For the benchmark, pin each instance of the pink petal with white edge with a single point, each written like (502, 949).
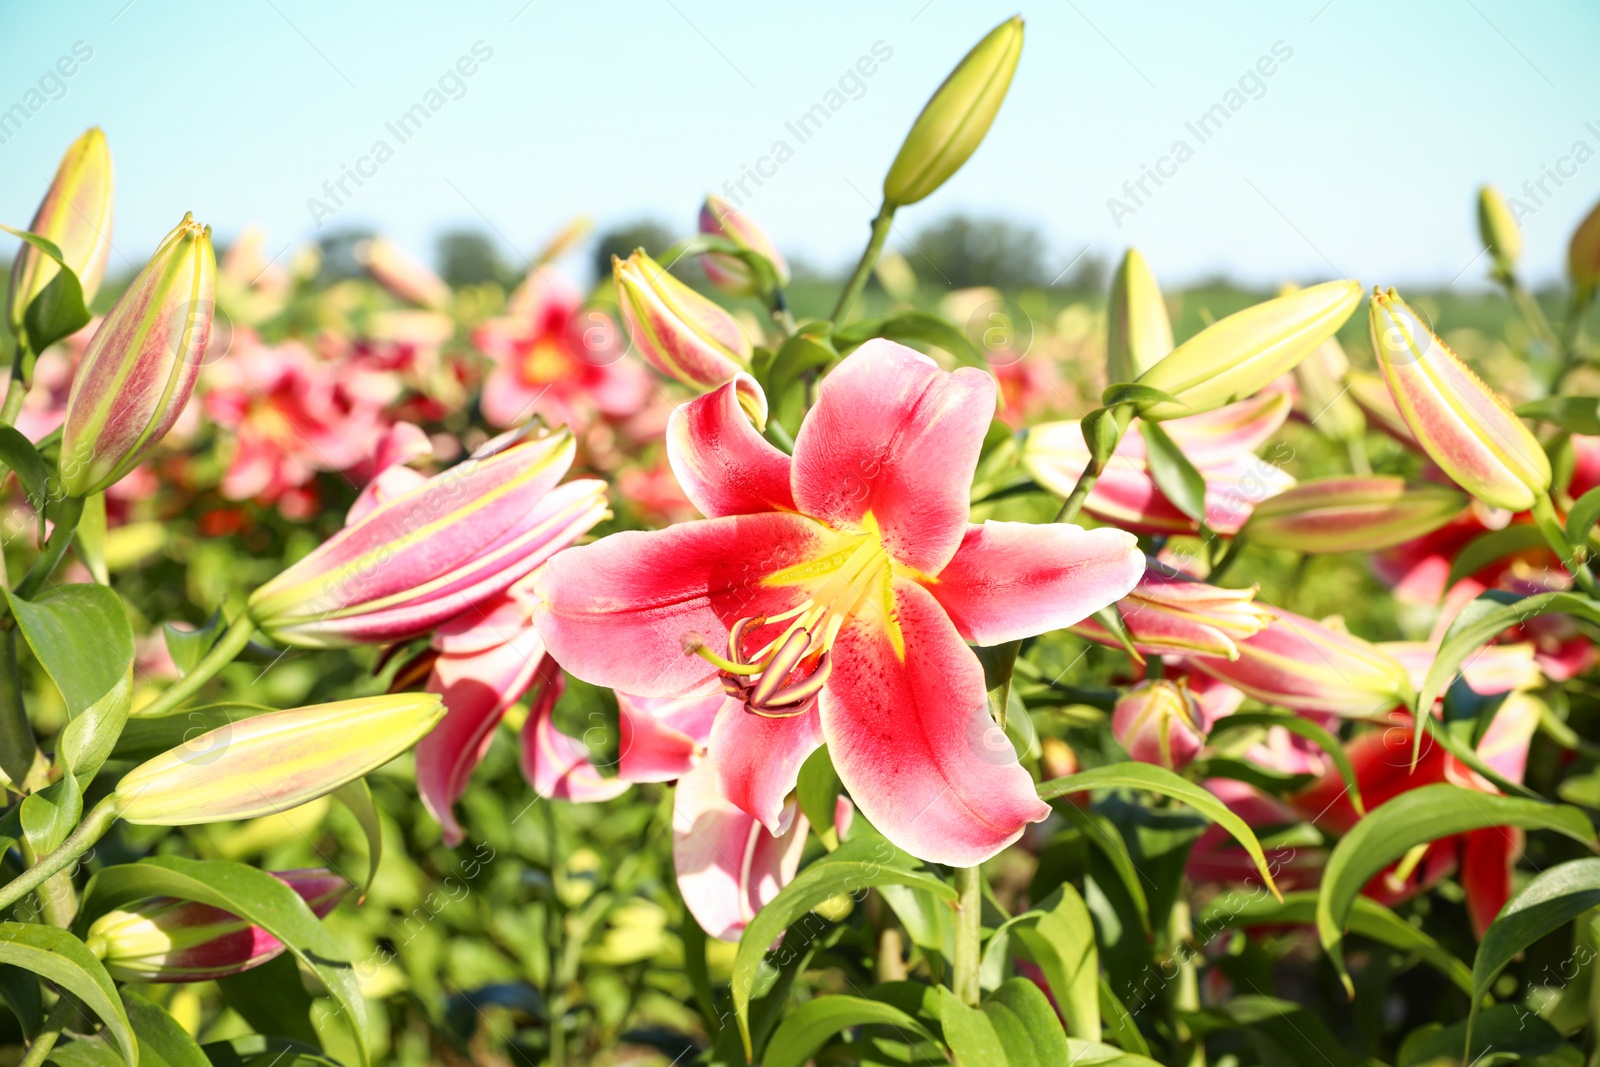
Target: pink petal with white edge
(724, 466)
(758, 758)
(913, 742)
(662, 737)
(558, 766)
(1011, 580)
(483, 626)
(477, 689)
(728, 867)
(894, 435)
(616, 612)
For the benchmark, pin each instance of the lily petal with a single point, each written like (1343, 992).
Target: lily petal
(724, 466)
(913, 741)
(558, 766)
(477, 689)
(758, 758)
(728, 867)
(662, 737)
(1011, 580)
(895, 436)
(616, 612)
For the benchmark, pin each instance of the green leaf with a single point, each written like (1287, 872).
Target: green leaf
(1102, 430)
(766, 275)
(1119, 1023)
(1582, 516)
(903, 326)
(1579, 414)
(1082, 1053)
(1133, 775)
(162, 1042)
(1551, 900)
(80, 634)
(58, 309)
(1061, 943)
(818, 792)
(1488, 547)
(806, 1029)
(49, 814)
(63, 959)
(1172, 472)
(358, 798)
(272, 999)
(1134, 393)
(999, 661)
(85, 1052)
(1367, 918)
(1026, 1024)
(1505, 1033)
(1475, 626)
(1300, 727)
(1416, 818)
(250, 894)
(19, 991)
(1104, 835)
(969, 1033)
(90, 538)
(253, 1050)
(856, 866)
(1285, 1033)
(18, 453)
(188, 647)
(800, 353)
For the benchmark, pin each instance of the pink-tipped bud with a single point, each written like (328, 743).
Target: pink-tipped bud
(1362, 513)
(1583, 255)
(140, 368)
(1173, 615)
(676, 330)
(404, 277)
(75, 215)
(1462, 424)
(732, 275)
(1159, 722)
(168, 940)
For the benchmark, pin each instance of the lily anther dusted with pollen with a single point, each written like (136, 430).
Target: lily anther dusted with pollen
(832, 595)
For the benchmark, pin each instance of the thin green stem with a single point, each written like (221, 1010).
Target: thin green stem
(1544, 516)
(224, 652)
(869, 257)
(67, 516)
(969, 935)
(42, 1045)
(1096, 466)
(1229, 554)
(17, 744)
(81, 840)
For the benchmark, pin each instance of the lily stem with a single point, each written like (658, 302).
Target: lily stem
(1544, 516)
(224, 652)
(45, 1042)
(1096, 466)
(969, 935)
(869, 257)
(67, 517)
(81, 840)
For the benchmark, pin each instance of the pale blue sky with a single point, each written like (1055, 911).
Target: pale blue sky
(1360, 156)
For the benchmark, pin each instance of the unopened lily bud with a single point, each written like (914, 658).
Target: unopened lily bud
(139, 370)
(1364, 513)
(676, 330)
(1372, 396)
(1583, 256)
(1235, 357)
(404, 277)
(1169, 614)
(732, 275)
(1138, 332)
(1310, 666)
(1497, 226)
(1159, 722)
(1324, 395)
(274, 762)
(170, 940)
(429, 553)
(75, 215)
(1461, 423)
(956, 118)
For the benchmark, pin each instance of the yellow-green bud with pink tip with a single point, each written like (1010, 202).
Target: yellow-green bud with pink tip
(140, 368)
(274, 762)
(1235, 357)
(1362, 513)
(75, 215)
(732, 275)
(1497, 227)
(1138, 333)
(676, 330)
(1462, 424)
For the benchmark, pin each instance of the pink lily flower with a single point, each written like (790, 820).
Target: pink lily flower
(1220, 443)
(833, 594)
(556, 360)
